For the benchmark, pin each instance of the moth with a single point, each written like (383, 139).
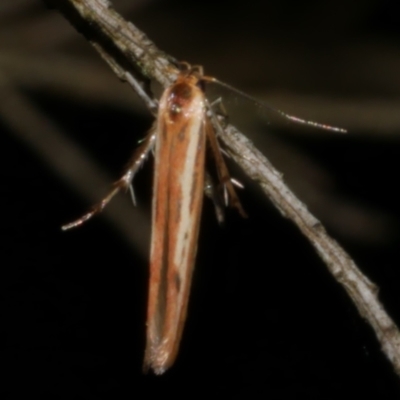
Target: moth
(184, 126)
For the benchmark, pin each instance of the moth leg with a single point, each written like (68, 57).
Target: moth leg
(210, 190)
(222, 170)
(142, 93)
(124, 182)
(221, 110)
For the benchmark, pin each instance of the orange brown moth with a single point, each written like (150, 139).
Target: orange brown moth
(185, 123)
(182, 127)
(179, 137)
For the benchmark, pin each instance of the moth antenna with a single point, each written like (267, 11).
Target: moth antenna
(277, 111)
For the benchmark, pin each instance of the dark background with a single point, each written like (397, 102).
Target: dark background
(265, 316)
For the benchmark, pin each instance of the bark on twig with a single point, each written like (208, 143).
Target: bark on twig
(127, 50)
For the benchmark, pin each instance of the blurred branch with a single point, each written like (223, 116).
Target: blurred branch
(68, 160)
(77, 79)
(126, 49)
(83, 78)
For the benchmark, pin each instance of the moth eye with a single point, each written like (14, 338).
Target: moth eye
(175, 108)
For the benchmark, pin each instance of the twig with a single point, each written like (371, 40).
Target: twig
(125, 47)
